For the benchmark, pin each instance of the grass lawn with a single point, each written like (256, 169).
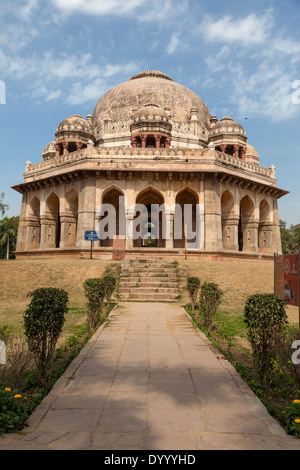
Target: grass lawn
(237, 280)
(18, 277)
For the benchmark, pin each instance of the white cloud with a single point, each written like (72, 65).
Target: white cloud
(266, 92)
(98, 7)
(80, 94)
(26, 10)
(173, 44)
(250, 30)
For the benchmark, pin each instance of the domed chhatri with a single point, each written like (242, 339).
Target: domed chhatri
(153, 142)
(73, 134)
(228, 136)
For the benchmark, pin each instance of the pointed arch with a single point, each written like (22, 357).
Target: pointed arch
(246, 208)
(247, 231)
(34, 208)
(185, 218)
(151, 225)
(265, 227)
(229, 222)
(227, 203)
(72, 202)
(113, 214)
(34, 224)
(53, 214)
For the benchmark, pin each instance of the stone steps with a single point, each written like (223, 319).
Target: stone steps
(151, 284)
(149, 281)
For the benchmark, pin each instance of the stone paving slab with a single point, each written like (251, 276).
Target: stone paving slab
(149, 380)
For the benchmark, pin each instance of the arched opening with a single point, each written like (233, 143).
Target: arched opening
(265, 227)
(113, 217)
(229, 222)
(247, 235)
(54, 227)
(35, 207)
(185, 220)
(150, 221)
(150, 141)
(69, 219)
(34, 224)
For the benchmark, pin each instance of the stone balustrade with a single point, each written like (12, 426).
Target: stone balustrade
(196, 155)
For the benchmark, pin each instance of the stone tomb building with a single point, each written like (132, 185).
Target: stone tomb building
(151, 141)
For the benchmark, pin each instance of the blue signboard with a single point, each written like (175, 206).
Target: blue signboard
(91, 235)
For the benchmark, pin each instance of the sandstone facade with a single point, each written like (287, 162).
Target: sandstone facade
(152, 142)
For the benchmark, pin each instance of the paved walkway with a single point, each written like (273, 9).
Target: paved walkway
(149, 380)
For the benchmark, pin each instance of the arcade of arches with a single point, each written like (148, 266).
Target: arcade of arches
(222, 217)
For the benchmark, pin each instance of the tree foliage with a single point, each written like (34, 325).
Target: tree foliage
(3, 207)
(209, 301)
(193, 286)
(265, 317)
(8, 236)
(94, 290)
(290, 238)
(43, 321)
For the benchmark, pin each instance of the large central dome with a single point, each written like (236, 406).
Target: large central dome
(151, 87)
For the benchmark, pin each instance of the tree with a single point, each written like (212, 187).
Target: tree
(290, 237)
(8, 233)
(3, 207)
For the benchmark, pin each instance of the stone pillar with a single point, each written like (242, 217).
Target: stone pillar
(86, 210)
(276, 235)
(33, 233)
(65, 148)
(57, 148)
(250, 236)
(169, 229)
(68, 230)
(223, 148)
(213, 220)
(22, 230)
(48, 232)
(230, 228)
(79, 145)
(129, 227)
(202, 212)
(265, 238)
(157, 141)
(243, 153)
(133, 142)
(168, 142)
(236, 151)
(143, 140)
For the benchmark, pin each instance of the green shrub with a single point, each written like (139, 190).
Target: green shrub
(193, 286)
(209, 301)
(43, 322)
(290, 417)
(265, 317)
(109, 286)
(94, 290)
(15, 409)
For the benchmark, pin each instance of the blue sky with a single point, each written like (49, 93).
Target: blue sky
(58, 57)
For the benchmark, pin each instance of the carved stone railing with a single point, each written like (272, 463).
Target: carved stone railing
(195, 155)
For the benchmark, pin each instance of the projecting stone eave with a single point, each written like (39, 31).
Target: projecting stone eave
(123, 160)
(118, 173)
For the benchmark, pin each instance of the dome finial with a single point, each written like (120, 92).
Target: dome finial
(151, 73)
